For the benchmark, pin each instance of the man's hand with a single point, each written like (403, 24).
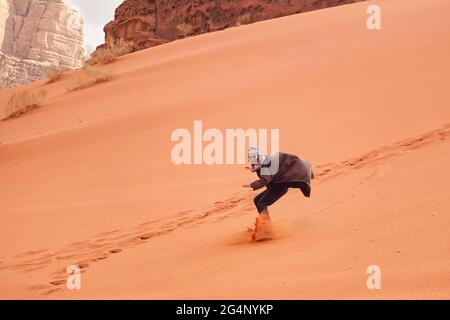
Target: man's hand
(252, 168)
(246, 186)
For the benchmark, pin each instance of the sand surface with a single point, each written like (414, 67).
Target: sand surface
(87, 179)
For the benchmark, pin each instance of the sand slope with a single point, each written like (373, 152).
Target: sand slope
(87, 179)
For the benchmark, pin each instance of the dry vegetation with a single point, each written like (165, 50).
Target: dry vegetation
(185, 28)
(108, 53)
(90, 76)
(55, 74)
(24, 101)
(244, 19)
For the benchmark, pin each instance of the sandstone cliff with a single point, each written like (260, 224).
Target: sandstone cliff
(36, 35)
(146, 23)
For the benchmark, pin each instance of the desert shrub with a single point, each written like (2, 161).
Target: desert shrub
(89, 77)
(185, 28)
(24, 101)
(108, 53)
(244, 19)
(55, 74)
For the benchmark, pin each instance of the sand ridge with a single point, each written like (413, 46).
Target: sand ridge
(85, 253)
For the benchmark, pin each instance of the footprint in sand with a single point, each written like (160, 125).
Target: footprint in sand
(99, 258)
(38, 287)
(82, 265)
(107, 233)
(58, 282)
(29, 253)
(48, 292)
(146, 236)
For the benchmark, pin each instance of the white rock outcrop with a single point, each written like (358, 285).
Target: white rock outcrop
(36, 35)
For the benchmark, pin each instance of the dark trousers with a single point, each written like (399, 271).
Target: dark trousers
(275, 191)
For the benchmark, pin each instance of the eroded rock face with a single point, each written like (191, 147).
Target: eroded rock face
(36, 35)
(146, 23)
(16, 71)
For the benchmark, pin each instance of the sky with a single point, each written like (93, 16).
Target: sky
(96, 14)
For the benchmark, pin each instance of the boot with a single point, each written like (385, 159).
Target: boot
(263, 228)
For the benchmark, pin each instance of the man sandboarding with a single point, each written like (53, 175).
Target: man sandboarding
(277, 173)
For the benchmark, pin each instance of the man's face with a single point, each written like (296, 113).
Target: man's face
(253, 159)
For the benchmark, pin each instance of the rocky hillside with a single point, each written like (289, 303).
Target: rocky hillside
(146, 23)
(36, 35)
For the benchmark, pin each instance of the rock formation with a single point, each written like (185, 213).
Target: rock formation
(141, 24)
(36, 35)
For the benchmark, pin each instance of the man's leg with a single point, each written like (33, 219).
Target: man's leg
(269, 197)
(259, 206)
(263, 227)
(303, 186)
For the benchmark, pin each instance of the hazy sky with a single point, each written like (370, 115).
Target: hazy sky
(96, 14)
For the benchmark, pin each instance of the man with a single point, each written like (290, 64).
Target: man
(277, 173)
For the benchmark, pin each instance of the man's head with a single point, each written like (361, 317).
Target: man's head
(255, 157)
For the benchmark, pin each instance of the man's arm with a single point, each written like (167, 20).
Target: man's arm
(261, 182)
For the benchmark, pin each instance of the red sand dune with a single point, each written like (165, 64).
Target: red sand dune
(87, 179)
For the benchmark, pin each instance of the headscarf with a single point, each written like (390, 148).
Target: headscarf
(256, 158)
